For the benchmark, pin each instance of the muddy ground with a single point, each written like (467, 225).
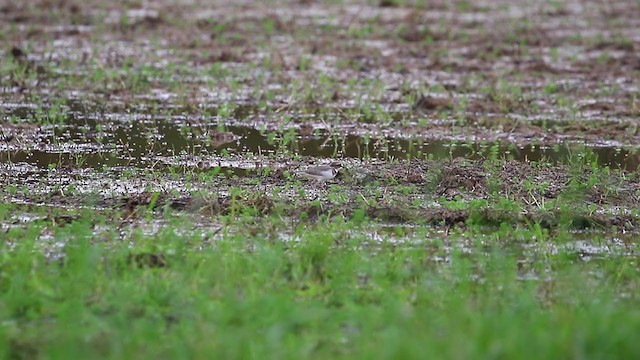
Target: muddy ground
(443, 113)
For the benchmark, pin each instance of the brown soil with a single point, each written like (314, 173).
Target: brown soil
(505, 192)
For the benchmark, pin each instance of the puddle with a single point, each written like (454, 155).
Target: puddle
(97, 141)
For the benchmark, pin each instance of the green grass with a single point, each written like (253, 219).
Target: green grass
(325, 295)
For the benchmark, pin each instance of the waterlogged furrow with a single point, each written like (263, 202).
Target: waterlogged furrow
(86, 140)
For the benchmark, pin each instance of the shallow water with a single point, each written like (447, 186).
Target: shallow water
(142, 140)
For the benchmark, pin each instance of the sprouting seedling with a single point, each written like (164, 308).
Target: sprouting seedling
(288, 140)
(271, 137)
(226, 110)
(410, 150)
(80, 160)
(494, 151)
(366, 140)
(339, 145)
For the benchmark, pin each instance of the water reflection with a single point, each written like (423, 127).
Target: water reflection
(95, 142)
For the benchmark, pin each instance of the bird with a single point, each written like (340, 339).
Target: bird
(320, 173)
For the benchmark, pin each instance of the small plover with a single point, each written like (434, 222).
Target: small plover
(321, 173)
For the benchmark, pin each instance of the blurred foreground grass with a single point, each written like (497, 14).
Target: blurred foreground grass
(320, 294)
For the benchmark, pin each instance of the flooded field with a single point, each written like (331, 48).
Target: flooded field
(96, 139)
(481, 146)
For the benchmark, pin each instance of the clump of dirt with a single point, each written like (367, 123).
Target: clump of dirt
(539, 180)
(393, 214)
(147, 260)
(462, 176)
